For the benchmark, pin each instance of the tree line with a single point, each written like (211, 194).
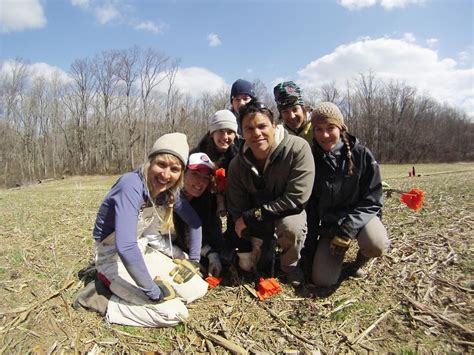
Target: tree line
(106, 116)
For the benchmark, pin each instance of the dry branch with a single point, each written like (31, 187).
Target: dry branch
(423, 308)
(370, 328)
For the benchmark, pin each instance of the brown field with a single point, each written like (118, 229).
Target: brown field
(416, 299)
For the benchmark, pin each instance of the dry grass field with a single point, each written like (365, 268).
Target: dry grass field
(416, 299)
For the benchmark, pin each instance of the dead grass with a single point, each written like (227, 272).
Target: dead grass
(416, 299)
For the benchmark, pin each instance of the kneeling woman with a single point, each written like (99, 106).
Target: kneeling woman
(148, 287)
(346, 199)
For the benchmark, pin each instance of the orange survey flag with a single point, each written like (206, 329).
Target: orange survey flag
(221, 180)
(413, 199)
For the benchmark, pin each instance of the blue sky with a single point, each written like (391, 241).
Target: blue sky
(428, 44)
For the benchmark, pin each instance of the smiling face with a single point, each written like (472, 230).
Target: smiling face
(327, 135)
(223, 139)
(196, 182)
(163, 173)
(240, 100)
(293, 116)
(259, 134)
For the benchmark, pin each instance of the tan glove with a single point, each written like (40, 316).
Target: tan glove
(339, 245)
(167, 291)
(246, 261)
(184, 270)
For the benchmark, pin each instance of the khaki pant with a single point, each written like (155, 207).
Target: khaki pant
(372, 240)
(291, 232)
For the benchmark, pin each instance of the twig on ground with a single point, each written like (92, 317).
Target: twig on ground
(423, 308)
(370, 328)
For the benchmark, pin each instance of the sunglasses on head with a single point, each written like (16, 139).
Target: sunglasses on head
(252, 107)
(288, 102)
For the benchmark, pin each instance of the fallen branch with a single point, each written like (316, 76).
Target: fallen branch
(222, 341)
(449, 283)
(465, 331)
(370, 328)
(25, 311)
(341, 307)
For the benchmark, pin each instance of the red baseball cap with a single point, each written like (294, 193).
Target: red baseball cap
(201, 161)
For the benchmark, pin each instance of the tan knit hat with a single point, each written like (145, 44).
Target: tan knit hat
(171, 143)
(328, 112)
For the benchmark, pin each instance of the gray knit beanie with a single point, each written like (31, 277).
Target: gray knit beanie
(222, 119)
(328, 112)
(171, 143)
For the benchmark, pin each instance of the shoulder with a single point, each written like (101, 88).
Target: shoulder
(130, 179)
(297, 143)
(130, 183)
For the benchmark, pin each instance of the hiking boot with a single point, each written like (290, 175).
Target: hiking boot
(354, 269)
(296, 277)
(93, 297)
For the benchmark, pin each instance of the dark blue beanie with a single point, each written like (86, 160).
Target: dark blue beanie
(242, 87)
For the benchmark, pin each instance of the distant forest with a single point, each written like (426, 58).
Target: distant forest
(106, 118)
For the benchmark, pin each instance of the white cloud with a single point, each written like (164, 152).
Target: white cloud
(149, 26)
(392, 4)
(395, 59)
(119, 12)
(356, 4)
(465, 56)
(84, 4)
(37, 70)
(409, 37)
(432, 42)
(386, 4)
(49, 72)
(213, 40)
(21, 15)
(106, 13)
(196, 81)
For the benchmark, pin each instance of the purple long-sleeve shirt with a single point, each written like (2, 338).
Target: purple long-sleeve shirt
(119, 213)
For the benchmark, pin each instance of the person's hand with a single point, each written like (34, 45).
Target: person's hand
(184, 270)
(339, 245)
(256, 252)
(215, 266)
(240, 226)
(167, 291)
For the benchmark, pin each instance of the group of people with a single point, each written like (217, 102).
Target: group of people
(283, 184)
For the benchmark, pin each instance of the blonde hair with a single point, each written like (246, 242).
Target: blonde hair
(167, 218)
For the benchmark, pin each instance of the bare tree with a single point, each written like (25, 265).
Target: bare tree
(152, 65)
(78, 105)
(128, 73)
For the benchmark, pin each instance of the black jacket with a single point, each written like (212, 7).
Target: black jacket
(341, 203)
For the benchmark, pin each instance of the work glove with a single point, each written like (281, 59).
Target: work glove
(246, 261)
(167, 291)
(249, 261)
(215, 266)
(339, 245)
(184, 270)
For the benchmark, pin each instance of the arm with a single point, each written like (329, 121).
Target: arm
(238, 195)
(297, 192)
(371, 197)
(184, 209)
(128, 199)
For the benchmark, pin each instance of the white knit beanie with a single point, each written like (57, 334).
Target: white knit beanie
(222, 119)
(171, 143)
